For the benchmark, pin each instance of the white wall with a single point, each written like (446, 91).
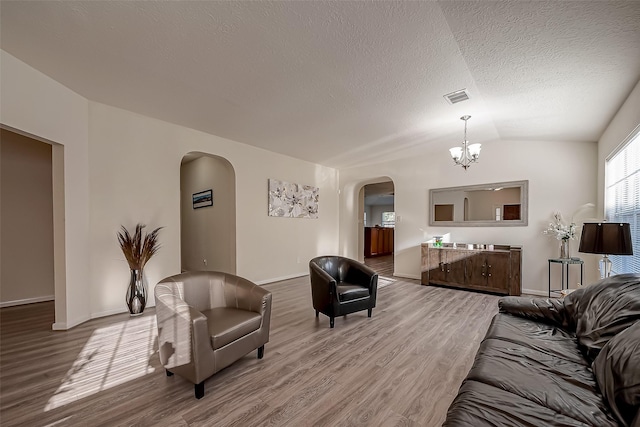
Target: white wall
(41, 107)
(121, 168)
(208, 234)
(561, 178)
(135, 177)
(27, 220)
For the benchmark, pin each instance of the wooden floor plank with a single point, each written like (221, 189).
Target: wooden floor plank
(401, 367)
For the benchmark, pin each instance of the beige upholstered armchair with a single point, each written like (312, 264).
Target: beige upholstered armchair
(207, 320)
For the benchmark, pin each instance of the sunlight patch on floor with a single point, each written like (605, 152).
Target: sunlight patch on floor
(113, 355)
(385, 281)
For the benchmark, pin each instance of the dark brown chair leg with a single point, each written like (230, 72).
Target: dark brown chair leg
(317, 313)
(331, 321)
(199, 389)
(260, 352)
(169, 373)
(369, 312)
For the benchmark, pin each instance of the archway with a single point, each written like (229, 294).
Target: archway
(207, 225)
(352, 217)
(379, 226)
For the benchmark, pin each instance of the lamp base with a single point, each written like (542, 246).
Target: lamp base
(605, 267)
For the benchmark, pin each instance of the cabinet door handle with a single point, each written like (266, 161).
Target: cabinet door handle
(448, 268)
(484, 266)
(489, 270)
(442, 266)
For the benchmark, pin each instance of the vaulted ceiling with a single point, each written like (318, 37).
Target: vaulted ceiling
(342, 83)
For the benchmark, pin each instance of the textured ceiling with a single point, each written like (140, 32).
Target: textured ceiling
(342, 83)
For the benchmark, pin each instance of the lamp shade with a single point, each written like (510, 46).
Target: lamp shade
(456, 153)
(474, 150)
(609, 238)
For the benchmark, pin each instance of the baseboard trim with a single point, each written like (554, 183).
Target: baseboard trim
(278, 279)
(62, 326)
(59, 326)
(535, 292)
(115, 311)
(108, 313)
(406, 276)
(26, 301)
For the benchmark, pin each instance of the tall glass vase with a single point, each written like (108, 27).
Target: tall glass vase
(136, 293)
(564, 249)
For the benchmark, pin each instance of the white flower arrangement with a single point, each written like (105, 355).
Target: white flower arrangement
(559, 230)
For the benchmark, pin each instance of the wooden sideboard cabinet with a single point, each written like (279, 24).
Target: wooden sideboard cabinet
(378, 241)
(490, 268)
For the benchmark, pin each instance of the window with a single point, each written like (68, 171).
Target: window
(622, 198)
(388, 219)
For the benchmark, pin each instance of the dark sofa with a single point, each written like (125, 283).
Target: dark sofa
(558, 362)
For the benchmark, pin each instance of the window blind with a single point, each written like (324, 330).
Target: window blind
(622, 199)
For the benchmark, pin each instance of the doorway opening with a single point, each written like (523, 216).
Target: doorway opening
(32, 211)
(379, 221)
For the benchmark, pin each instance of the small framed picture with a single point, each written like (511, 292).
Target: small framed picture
(202, 199)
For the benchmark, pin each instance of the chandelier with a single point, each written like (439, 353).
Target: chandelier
(466, 154)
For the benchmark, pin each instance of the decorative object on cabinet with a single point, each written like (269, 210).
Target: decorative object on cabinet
(490, 268)
(292, 200)
(497, 204)
(378, 241)
(606, 238)
(138, 251)
(202, 199)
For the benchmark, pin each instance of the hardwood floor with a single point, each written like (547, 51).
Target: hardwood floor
(382, 264)
(403, 366)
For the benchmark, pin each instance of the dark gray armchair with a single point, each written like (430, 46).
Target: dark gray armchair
(341, 286)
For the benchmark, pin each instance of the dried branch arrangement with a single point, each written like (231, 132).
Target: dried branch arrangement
(138, 250)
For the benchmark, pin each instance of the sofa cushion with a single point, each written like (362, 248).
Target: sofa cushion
(529, 373)
(228, 324)
(601, 310)
(543, 337)
(617, 371)
(348, 292)
(483, 405)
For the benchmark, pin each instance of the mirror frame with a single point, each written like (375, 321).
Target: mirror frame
(524, 206)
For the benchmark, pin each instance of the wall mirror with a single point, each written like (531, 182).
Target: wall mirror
(498, 204)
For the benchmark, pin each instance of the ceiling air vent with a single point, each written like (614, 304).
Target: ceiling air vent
(457, 96)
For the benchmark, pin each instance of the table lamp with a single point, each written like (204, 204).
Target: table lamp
(606, 238)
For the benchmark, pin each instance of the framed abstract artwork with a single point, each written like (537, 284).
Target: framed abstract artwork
(292, 200)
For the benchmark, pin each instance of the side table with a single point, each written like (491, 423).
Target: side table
(564, 273)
